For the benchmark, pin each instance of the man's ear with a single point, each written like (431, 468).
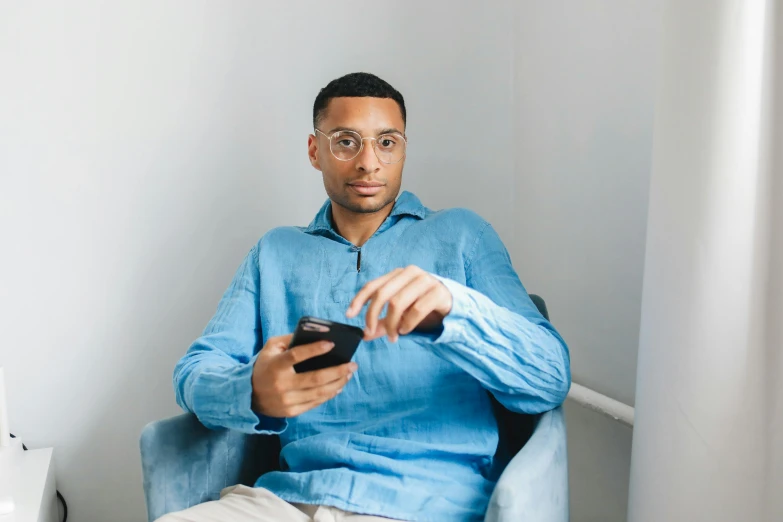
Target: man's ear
(312, 151)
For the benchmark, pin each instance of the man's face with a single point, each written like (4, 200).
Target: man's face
(363, 184)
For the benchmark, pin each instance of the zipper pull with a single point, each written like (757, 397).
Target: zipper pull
(358, 250)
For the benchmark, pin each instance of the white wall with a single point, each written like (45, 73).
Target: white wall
(145, 146)
(584, 94)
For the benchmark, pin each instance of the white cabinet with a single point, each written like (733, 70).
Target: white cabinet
(33, 488)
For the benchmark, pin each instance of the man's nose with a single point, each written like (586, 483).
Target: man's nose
(367, 161)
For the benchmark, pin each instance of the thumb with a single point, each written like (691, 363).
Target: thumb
(277, 345)
(380, 331)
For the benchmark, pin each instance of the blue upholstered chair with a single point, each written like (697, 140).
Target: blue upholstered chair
(184, 463)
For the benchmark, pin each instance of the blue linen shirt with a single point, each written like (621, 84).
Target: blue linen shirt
(413, 434)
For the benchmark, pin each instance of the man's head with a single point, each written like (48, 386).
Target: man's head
(361, 175)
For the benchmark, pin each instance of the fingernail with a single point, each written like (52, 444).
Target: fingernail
(328, 345)
(350, 376)
(339, 391)
(354, 367)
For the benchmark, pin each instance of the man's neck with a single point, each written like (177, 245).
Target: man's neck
(358, 227)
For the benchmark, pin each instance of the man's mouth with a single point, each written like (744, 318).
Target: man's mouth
(366, 188)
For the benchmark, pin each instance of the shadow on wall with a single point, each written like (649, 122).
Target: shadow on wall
(598, 480)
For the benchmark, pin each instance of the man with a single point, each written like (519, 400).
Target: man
(406, 431)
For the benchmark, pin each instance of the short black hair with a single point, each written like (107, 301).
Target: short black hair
(355, 85)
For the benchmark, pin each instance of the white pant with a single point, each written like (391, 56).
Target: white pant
(244, 504)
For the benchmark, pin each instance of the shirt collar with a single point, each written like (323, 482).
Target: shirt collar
(407, 204)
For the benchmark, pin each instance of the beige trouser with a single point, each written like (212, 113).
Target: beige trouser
(244, 504)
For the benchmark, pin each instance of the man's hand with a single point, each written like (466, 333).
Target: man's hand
(415, 299)
(278, 391)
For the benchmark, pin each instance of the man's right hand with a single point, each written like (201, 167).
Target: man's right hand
(278, 391)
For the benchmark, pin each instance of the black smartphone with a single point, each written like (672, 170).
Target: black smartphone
(346, 339)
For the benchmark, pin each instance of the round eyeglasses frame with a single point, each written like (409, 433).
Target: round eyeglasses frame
(361, 148)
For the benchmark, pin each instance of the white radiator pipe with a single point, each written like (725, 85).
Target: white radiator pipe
(602, 404)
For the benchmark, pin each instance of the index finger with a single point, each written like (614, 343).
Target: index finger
(364, 294)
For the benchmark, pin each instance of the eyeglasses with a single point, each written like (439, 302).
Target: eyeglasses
(347, 145)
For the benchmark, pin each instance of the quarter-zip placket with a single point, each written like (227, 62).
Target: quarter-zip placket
(358, 251)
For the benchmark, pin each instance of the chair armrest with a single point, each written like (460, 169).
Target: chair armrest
(534, 485)
(185, 463)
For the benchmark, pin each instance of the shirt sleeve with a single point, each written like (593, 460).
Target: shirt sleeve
(495, 333)
(214, 378)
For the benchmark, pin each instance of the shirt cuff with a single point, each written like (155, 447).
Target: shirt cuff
(222, 397)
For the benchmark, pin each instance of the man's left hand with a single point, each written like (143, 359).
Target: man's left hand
(416, 300)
